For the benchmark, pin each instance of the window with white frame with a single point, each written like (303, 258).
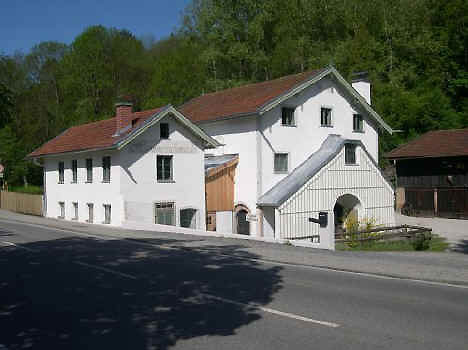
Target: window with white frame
(75, 210)
(61, 171)
(326, 116)
(90, 213)
(287, 116)
(106, 169)
(89, 170)
(164, 213)
(62, 210)
(281, 162)
(107, 213)
(358, 123)
(350, 154)
(164, 168)
(74, 171)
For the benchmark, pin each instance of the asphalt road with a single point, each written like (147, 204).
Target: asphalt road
(65, 290)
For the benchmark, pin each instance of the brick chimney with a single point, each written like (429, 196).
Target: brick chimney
(122, 112)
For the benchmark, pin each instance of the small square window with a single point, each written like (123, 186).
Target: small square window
(164, 130)
(90, 213)
(62, 210)
(350, 154)
(358, 123)
(164, 213)
(75, 211)
(287, 116)
(107, 213)
(89, 170)
(164, 168)
(61, 170)
(281, 163)
(326, 117)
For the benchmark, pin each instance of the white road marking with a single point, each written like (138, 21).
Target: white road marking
(18, 246)
(117, 273)
(273, 311)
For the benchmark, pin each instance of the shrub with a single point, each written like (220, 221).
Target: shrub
(421, 241)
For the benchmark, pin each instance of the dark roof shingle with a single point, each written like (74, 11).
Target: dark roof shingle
(242, 100)
(440, 143)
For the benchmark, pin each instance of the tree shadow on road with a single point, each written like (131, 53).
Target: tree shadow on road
(92, 294)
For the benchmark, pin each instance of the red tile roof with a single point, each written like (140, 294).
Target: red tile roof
(241, 100)
(91, 136)
(441, 143)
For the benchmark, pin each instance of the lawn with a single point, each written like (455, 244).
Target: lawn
(30, 189)
(437, 244)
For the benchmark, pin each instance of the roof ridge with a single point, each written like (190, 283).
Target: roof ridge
(253, 84)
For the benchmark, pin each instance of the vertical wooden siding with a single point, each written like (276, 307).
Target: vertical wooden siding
(219, 186)
(320, 193)
(21, 202)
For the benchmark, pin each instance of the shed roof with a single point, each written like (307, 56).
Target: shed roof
(214, 163)
(434, 144)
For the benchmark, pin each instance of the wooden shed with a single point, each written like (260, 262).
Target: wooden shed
(432, 174)
(219, 185)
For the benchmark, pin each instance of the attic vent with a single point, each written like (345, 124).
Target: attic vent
(135, 121)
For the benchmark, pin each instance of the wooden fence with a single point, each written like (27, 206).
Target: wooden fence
(21, 202)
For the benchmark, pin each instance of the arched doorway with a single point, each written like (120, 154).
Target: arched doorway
(242, 225)
(347, 209)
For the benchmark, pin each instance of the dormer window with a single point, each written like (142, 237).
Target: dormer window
(287, 116)
(358, 123)
(326, 116)
(350, 154)
(164, 130)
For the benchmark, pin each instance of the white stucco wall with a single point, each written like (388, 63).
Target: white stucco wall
(308, 135)
(239, 136)
(97, 192)
(139, 186)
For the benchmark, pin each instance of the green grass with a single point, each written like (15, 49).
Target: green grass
(31, 189)
(437, 244)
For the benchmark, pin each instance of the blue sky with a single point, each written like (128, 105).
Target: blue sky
(24, 23)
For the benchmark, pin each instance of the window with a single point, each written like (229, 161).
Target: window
(326, 116)
(89, 170)
(107, 213)
(75, 211)
(287, 116)
(164, 213)
(164, 130)
(188, 218)
(62, 210)
(61, 169)
(74, 171)
(135, 121)
(164, 168)
(358, 124)
(281, 163)
(350, 154)
(106, 168)
(90, 213)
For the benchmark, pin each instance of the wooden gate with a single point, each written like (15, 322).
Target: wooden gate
(419, 202)
(452, 203)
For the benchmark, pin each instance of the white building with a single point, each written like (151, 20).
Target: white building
(306, 143)
(144, 167)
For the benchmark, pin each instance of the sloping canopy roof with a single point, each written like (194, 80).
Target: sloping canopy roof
(215, 163)
(289, 185)
(441, 143)
(261, 97)
(102, 134)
